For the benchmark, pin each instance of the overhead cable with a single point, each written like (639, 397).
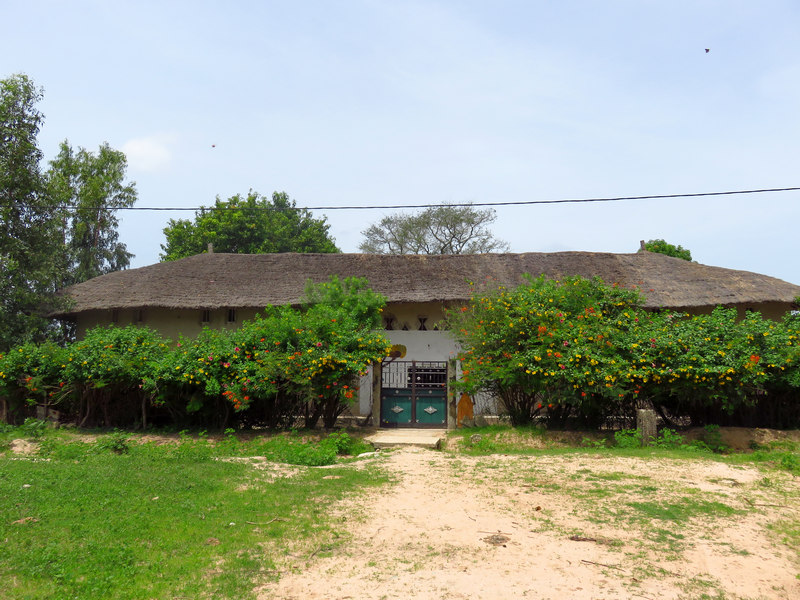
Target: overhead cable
(455, 204)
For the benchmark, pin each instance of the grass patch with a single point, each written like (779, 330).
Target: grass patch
(123, 519)
(682, 510)
(493, 439)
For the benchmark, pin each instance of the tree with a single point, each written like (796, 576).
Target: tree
(93, 185)
(251, 225)
(442, 229)
(28, 217)
(662, 247)
(44, 245)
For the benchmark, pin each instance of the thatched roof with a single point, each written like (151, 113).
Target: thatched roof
(210, 281)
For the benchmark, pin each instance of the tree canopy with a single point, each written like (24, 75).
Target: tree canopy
(94, 185)
(663, 247)
(28, 246)
(50, 238)
(254, 224)
(442, 229)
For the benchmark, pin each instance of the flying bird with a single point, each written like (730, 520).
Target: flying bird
(214, 145)
(708, 50)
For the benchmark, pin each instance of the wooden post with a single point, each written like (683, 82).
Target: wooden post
(646, 424)
(377, 382)
(452, 408)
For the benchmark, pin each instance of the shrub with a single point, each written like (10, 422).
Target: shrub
(117, 442)
(33, 428)
(580, 352)
(628, 438)
(667, 438)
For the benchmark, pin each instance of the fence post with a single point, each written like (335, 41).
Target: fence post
(646, 424)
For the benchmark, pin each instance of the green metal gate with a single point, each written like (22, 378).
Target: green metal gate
(414, 394)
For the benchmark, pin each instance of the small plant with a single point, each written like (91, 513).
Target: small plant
(712, 437)
(347, 445)
(484, 444)
(33, 428)
(590, 443)
(309, 454)
(116, 442)
(791, 462)
(667, 438)
(628, 438)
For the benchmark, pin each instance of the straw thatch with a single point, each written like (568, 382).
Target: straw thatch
(211, 281)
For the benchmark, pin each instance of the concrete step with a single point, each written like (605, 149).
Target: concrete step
(422, 438)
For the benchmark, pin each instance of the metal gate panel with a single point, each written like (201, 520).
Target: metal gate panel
(414, 394)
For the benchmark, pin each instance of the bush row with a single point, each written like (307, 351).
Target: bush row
(286, 363)
(582, 352)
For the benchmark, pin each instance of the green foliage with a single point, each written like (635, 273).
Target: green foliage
(346, 445)
(548, 347)
(45, 246)
(579, 351)
(250, 225)
(791, 463)
(780, 454)
(33, 428)
(286, 363)
(712, 438)
(295, 450)
(662, 247)
(30, 374)
(29, 244)
(668, 438)
(117, 442)
(437, 230)
(628, 438)
(93, 184)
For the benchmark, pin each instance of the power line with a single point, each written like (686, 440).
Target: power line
(459, 204)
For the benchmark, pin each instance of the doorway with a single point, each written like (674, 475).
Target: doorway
(414, 394)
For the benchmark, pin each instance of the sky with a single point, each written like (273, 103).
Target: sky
(379, 103)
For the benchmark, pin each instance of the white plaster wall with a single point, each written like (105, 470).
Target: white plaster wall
(425, 345)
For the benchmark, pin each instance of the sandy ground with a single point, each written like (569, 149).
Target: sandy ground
(557, 527)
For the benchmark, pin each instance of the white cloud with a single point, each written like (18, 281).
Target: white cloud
(151, 153)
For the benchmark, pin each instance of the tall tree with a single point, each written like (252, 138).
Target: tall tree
(28, 218)
(58, 227)
(251, 225)
(93, 187)
(442, 229)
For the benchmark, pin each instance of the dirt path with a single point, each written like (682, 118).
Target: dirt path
(559, 527)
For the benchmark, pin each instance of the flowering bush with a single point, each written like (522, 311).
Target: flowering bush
(285, 362)
(31, 374)
(317, 351)
(585, 351)
(548, 346)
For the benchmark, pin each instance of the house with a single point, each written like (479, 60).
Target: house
(222, 290)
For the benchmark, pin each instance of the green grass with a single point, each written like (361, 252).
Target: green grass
(161, 521)
(682, 509)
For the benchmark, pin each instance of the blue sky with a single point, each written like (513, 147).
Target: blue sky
(368, 102)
